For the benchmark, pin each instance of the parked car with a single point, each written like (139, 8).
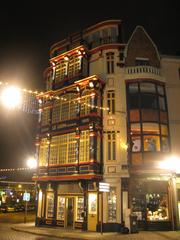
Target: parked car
(7, 208)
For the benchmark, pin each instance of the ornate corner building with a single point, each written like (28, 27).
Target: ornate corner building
(109, 114)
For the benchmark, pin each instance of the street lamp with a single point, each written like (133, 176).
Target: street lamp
(172, 164)
(11, 97)
(32, 163)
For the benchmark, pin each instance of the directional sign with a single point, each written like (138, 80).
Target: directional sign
(104, 187)
(26, 197)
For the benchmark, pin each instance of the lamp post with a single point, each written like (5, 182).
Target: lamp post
(172, 165)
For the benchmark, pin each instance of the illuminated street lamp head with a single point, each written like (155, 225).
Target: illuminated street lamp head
(11, 97)
(171, 163)
(32, 163)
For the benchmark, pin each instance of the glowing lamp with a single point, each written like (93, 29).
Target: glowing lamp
(11, 97)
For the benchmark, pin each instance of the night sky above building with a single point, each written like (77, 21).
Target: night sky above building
(27, 32)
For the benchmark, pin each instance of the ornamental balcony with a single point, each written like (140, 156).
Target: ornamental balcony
(143, 72)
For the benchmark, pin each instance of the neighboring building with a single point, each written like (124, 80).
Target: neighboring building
(105, 117)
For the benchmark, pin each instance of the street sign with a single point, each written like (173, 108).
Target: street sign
(104, 187)
(26, 197)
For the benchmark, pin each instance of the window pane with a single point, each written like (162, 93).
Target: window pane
(151, 143)
(148, 101)
(61, 208)
(157, 206)
(164, 130)
(147, 87)
(135, 128)
(112, 199)
(136, 143)
(165, 144)
(133, 88)
(162, 105)
(134, 101)
(50, 205)
(160, 90)
(151, 128)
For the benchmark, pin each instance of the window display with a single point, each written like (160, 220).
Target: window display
(80, 208)
(112, 197)
(157, 207)
(61, 208)
(50, 205)
(92, 208)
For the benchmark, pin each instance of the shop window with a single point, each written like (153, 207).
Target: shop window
(111, 101)
(50, 205)
(43, 152)
(136, 143)
(39, 204)
(92, 203)
(111, 146)
(150, 128)
(61, 208)
(112, 204)
(110, 62)
(80, 209)
(148, 101)
(157, 207)
(151, 143)
(147, 87)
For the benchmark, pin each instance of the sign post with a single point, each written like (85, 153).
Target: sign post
(103, 187)
(26, 198)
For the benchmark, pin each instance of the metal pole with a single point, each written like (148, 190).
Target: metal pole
(102, 213)
(25, 215)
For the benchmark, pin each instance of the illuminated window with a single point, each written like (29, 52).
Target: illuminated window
(111, 150)
(110, 62)
(157, 207)
(45, 117)
(85, 102)
(40, 203)
(43, 152)
(151, 143)
(111, 101)
(63, 149)
(61, 70)
(74, 66)
(112, 204)
(61, 208)
(84, 146)
(50, 205)
(65, 108)
(54, 150)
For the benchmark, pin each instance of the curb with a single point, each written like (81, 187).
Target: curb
(46, 234)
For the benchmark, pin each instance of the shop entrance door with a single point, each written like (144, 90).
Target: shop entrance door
(70, 212)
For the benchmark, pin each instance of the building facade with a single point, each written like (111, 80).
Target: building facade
(107, 116)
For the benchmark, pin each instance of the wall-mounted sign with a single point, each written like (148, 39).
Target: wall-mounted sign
(104, 187)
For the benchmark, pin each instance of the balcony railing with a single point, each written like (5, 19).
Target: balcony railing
(143, 69)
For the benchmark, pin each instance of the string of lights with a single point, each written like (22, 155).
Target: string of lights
(31, 101)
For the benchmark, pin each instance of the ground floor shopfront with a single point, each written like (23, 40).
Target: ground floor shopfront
(79, 204)
(152, 200)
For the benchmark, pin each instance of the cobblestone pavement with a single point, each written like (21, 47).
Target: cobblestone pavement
(77, 234)
(6, 233)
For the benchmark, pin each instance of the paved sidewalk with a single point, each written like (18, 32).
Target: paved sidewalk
(81, 235)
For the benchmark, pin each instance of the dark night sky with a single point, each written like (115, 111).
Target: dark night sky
(27, 30)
